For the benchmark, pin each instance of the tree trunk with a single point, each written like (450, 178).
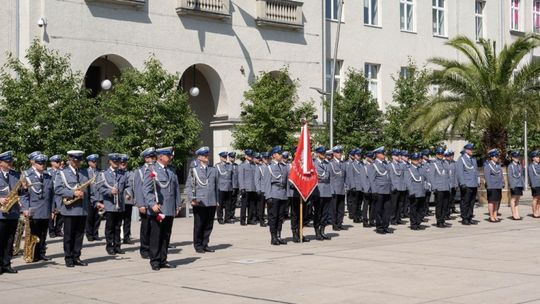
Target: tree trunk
(495, 138)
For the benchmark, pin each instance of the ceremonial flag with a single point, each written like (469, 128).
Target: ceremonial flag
(303, 174)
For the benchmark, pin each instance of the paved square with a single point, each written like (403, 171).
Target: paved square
(487, 263)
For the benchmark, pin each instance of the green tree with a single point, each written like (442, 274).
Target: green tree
(410, 91)
(357, 119)
(146, 108)
(271, 113)
(485, 94)
(44, 107)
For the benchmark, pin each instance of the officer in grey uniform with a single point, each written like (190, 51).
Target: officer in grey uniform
(149, 156)
(381, 186)
(534, 182)
(415, 182)
(128, 199)
(405, 163)
(493, 175)
(8, 220)
(322, 195)
(276, 193)
(354, 186)
(516, 182)
(225, 186)
(229, 212)
(261, 181)
(202, 189)
(74, 214)
(57, 222)
(93, 219)
(349, 193)
(468, 180)
(426, 170)
(440, 184)
(454, 193)
(112, 184)
(337, 184)
(37, 202)
(397, 196)
(246, 184)
(162, 195)
(368, 208)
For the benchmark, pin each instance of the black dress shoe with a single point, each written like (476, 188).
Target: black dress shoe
(341, 227)
(465, 222)
(229, 222)
(335, 228)
(60, 234)
(110, 252)
(78, 262)
(44, 258)
(52, 235)
(263, 224)
(128, 242)
(171, 246)
(9, 270)
(386, 230)
(366, 225)
(414, 227)
(243, 224)
(70, 264)
(167, 265)
(208, 249)
(119, 251)
(155, 267)
(200, 250)
(473, 222)
(90, 239)
(380, 231)
(144, 256)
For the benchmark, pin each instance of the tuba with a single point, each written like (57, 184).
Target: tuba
(18, 237)
(30, 242)
(12, 197)
(81, 187)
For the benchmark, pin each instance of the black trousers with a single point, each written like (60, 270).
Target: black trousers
(261, 202)
(426, 203)
(56, 224)
(354, 205)
(112, 229)
(160, 237)
(383, 211)
(468, 196)
(405, 209)
(203, 218)
(73, 236)
(7, 236)
(225, 199)
(229, 212)
(248, 210)
(322, 214)
(38, 227)
(442, 199)
(368, 208)
(397, 198)
(128, 213)
(338, 209)
(295, 213)
(93, 220)
(416, 210)
(276, 214)
(145, 234)
(451, 201)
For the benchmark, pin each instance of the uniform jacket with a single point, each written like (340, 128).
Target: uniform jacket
(107, 180)
(493, 175)
(225, 176)
(534, 175)
(6, 184)
(353, 175)
(337, 176)
(65, 183)
(246, 176)
(380, 179)
(279, 174)
(396, 169)
(138, 179)
(323, 173)
(467, 171)
(202, 184)
(39, 197)
(415, 181)
(162, 183)
(440, 175)
(516, 176)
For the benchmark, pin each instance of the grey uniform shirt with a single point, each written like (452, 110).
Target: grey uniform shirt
(516, 178)
(452, 173)
(278, 181)
(366, 176)
(352, 176)
(202, 184)
(138, 178)
(39, 197)
(323, 185)
(66, 182)
(493, 175)
(415, 181)
(260, 171)
(107, 180)
(225, 176)
(234, 175)
(467, 172)
(161, 185)
(246, 176)
(396, 176)
(337, 176)
(534, 175)
(95, 196)
(439, 175)
(8, 180)
(380, 180)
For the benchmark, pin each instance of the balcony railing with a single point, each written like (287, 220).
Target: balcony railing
(135, 3)
(217, 9)
(280, 13)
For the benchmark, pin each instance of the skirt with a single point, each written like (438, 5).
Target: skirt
(494, 195)
(535, 191)
(517, 191)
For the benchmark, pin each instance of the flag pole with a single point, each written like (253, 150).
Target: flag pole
(301, 220)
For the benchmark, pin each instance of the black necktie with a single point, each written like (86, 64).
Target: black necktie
(77, 175)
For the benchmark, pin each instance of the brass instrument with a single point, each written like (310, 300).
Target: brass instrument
(18, 237)
(81, 187)
(30, 242)
(13, 197)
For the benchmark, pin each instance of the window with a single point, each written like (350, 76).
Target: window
(371, 72)
(515, 15)
(536, 16)
(479, 19)
(337, 78)
(371, 12)
(439, 28)
(404, 72)
(406, 15)
(332, 10)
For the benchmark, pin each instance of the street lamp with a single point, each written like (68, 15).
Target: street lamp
(194, 91)
(106, 84)
(323, 95)
(332, 79)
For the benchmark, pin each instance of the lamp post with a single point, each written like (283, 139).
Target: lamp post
(323, 96)
(332, 81)
(106, 84)
(526, 153)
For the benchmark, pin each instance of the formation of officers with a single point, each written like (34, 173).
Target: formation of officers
(378, 192)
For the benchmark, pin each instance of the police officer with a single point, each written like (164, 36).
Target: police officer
(229, 213)
(349, 193)
(322, 195)
(337, 184)
(381, 186)
(162, 195)
(202, 190)
(37, 202)
(128, 199)
(415, 182)
(246, 184)
(225, 186)
(65, 186)
(93, 219)
(440, 184)
(276, 194)
(8, 220)
(534, 182)
(368, 208)
(405, 163)
(397, 196)
(57, 222)
(494, 183)
(261, 181)
(516, 182)
(149, 156)
(426, 170)
(468, 180)
(354, 186)
(454, 193)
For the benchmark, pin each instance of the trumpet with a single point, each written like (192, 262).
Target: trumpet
(81, 187)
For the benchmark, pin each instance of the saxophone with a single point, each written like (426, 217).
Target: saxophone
(30, 242)
(81, 187)
(18, 237)
(12, 197)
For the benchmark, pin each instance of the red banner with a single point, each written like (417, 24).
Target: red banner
(303, 174)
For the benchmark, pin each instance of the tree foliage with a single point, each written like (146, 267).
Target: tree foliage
(270, 113)
(43, 106)
(147, 108)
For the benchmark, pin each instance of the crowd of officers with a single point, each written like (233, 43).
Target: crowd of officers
(379, 188)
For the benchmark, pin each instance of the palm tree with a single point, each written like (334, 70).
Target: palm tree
(486, 93)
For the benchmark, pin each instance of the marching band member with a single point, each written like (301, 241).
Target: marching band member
(516, 182)
(415, 182)
(468, 180)
(93, 219)
(149, 156)
(9, 219)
